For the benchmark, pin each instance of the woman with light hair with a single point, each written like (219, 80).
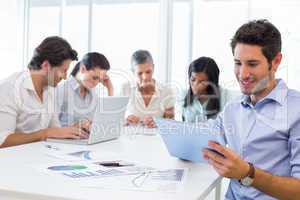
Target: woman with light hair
(148, 98)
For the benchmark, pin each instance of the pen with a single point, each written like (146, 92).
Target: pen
(115, 164)
(51, 147)
(111, 164)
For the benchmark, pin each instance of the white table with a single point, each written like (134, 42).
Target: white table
(18, 181)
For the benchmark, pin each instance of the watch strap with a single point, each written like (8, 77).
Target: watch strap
(251, 172)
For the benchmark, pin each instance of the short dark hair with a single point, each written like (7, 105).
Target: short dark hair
(262, 33)
(55, 50)
(141, 57)
(91, 61)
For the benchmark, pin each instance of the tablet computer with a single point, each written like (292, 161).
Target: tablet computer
(186, 140)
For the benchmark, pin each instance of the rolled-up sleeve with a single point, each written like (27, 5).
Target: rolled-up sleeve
(294, 144)
(8, 119)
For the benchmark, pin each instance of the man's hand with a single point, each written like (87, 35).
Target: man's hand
(132, 120)
(230, 165)
(72, 132)
(66, 133)
(149, 122)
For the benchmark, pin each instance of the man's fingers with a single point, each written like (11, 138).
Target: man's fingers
(222, 150)
(84, 135)
(73, 136)
(213, 156)
(75, 131)
(220, 168)
(217, 165)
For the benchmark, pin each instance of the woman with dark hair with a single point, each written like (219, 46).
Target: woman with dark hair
(26, 111)
(77, 96)
(204, 98)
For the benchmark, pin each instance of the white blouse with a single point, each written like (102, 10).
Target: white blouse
(162, 99)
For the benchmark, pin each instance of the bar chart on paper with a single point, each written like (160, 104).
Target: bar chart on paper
(67, 167)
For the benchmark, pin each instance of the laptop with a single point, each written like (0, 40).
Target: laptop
(106, 124)
(186, 140)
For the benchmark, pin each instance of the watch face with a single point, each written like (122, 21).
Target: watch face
(247, 181)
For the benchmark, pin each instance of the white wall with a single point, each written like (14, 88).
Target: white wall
(195, 27)
(10, 37)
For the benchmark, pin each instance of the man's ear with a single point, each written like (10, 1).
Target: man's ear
(276, 62)
(45, 66)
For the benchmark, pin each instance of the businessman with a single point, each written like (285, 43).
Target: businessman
(262, 129)
(27, 106)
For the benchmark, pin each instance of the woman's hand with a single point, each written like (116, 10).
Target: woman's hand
(106, 81)
(132, 120)
(149, 122)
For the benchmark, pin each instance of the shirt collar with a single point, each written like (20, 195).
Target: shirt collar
(278, 94)
(73, 83)
(27, 84)
(27, 81)
(245, 101)
(197, 101)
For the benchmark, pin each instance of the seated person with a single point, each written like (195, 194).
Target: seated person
(77, 97)
(147, 97)
(204, 98)
(262, 127)
(27, 98)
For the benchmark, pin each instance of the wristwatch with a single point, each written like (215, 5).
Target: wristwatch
(248, 180)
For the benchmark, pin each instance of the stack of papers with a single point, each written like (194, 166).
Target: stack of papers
(92, 170)
(82, 155)
(81, 170)
(163, 180)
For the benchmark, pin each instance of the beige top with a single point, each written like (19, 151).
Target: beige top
(162, 99)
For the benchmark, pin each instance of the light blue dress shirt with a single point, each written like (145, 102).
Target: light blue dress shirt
(72, 106)
(266, 134)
